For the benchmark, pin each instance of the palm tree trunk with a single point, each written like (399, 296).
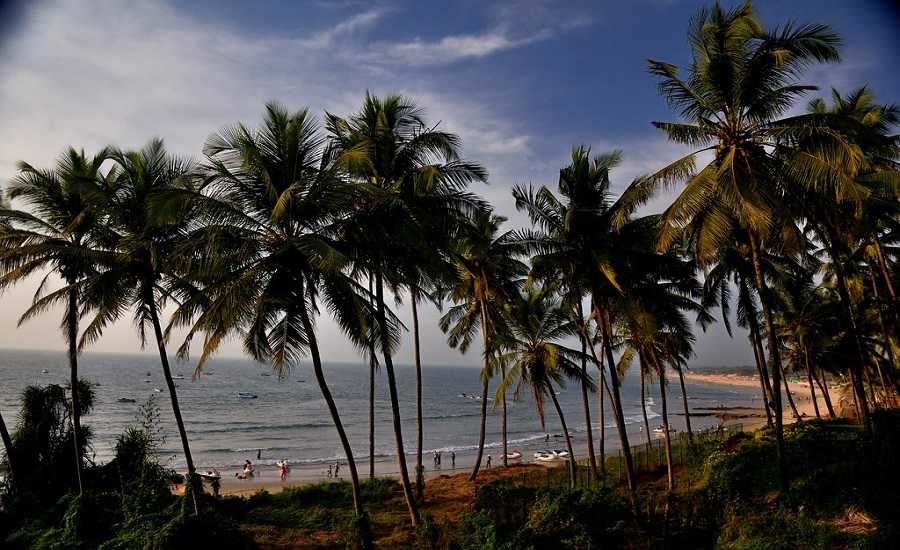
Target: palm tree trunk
(684, 398)
(855, 369)
(72, 337)
(194, 481)
(644, 402)
(485, 376)
(592, 459)
(329, 401)
(756, 339)
(670, 471)
(395, 405)
(774, 358)
(600, 405)
(823, 386)
(562, 421)
(603, 315)
(882, 264)
(809, 378)
(790, 397)
(762, 381)
(503, 403)
(420, 468)
(8, 446)
(373, 364)
(885, 335)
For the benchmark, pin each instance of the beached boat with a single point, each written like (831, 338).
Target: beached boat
(561, 453)
(660, 430)
(247, 395)
(515, 455)
(544, 456)
(211, 476)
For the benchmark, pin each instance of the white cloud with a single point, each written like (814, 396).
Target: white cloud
(451, 49)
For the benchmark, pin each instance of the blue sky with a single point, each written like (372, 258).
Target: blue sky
(521, 82)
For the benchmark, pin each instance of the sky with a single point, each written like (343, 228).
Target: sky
(520, 82)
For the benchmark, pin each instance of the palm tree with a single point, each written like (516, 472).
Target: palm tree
(273, 201)
(578, 240)
(488, 276)
(741, 81)
(409, 180)
(536, 321)
(59, 233)
(137, 269)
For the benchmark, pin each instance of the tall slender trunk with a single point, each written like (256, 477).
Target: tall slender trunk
(822, 380)
(647, 431)
(373, 364)
(885, 335)
(8, 446)
(774, 358)
(600, 405)
(684, 399)
(855, 369)
(756, 338)
(812, 386)
(670, 470)
(603, 315)
(503, 427)
(420, 468)
(790, 397)
(882, 264)
(485, 375)
(395, 404)
(329, 401)
(762, 380)
(194, 481)
(592, 458)
(562, 421)
(72, 337)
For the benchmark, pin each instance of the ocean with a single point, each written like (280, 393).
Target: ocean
(289, 419)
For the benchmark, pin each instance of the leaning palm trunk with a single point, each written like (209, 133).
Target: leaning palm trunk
(395, 406)
(8, 446)
(670, 472)
(822, 381)
(485, 375)
(762, 380)
(790, 396)
(503, 404)
(193, 480)
(332, 408)
(617, 400)
(774, 358)
(644, 402)
(855, 378)
(684, 399)
(372, 366)
(592, 459)
(72, 337)
(598, 361)
(562, 421)
(420, 468)
(885, 336)
(809, 379)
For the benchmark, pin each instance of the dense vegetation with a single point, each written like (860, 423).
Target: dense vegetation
(790, 218)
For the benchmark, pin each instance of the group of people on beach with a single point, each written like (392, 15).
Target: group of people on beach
(334, 469)
(437, 459)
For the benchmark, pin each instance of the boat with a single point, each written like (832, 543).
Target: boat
(44, 371)
(660, 430)
(157, 390)
(561, 453)
(178, 377)
(147, 381)
(544, 456)
(124, 400)
(515, 455)
(247, 395)
(211, 476)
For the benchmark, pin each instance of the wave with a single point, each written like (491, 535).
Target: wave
(259, 427)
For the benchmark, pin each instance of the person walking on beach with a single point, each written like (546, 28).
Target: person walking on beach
(215, 487)
(284, 470)
(337, 467)
(258, 454)
(452, 459)
(329, 471)
(489, 461)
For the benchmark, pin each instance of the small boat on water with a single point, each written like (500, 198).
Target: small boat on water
(544, 456)
(247, 395)
(178, 377)
(515, 455)
(124, 400)
(157, 390)
(211, 476)
(45, 371)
